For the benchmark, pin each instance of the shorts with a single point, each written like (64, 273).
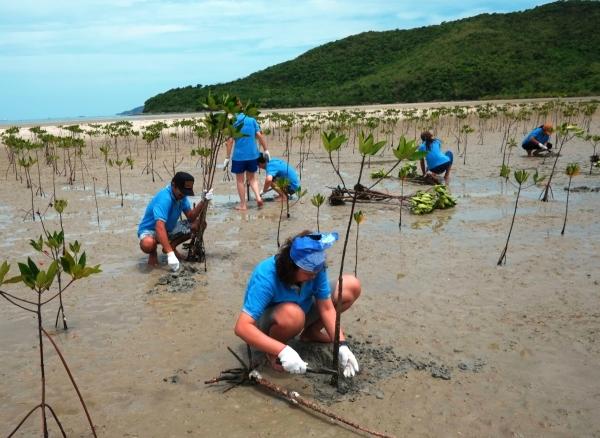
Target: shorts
(244, 166)
(181, 228)
(531, 146)
(266, 319)
(444, 167)
(290, 190)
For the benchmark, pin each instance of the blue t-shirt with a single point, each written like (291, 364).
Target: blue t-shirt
(245, 147)
(434, 157)
(281, 169)
(265, 289)
(164, 207)
(538, 134)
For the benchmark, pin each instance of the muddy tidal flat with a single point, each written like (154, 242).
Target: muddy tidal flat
(449, 343)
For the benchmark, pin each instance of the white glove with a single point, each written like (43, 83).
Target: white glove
(225, 163)
(172, 261)
(208, 196)
(262, 192)
(542, 146)
(291, 361)
(348, 361)
(267, 155)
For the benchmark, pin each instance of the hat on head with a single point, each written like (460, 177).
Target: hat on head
(184, 182)
(308, 252)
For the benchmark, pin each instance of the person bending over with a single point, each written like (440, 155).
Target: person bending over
(536, 141)
(245, 154)
(161, 224)
(437, 162)
(278, 169)
(289, 294)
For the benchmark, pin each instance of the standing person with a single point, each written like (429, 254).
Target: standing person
(245, 154)
(437, 162)
(537, 140)
(278, 169)
(289, 294)
(161, 224)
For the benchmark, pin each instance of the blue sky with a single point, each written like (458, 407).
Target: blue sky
(70, 58)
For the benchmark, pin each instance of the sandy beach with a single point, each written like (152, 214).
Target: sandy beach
(519, 344)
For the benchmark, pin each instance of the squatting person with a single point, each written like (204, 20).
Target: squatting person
(437, 162)
(537, 140)
(278, 169)
(289, 294)
(161, 222)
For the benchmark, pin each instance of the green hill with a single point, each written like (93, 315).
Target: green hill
(551, 50)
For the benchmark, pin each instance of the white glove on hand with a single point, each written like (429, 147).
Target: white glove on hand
(291, 361)
(267, 155)
(347, 361)
(208, 196)
(172, 261)
(225, 163)
(543, 146)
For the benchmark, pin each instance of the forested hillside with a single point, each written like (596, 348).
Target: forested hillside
(551, 50)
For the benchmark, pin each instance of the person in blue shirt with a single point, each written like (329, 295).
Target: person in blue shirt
(536, 141)
(289, 294)
(277, 169)
(245, 154)
(437, 162)
(161, 224)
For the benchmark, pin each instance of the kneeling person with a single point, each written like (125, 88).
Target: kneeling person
(277, 169)
(161, 224)
(289, 294)
(536, 141)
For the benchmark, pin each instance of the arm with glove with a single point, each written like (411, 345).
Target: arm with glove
(228, 149)
(263, 142)
(163, 238)
(290, 360)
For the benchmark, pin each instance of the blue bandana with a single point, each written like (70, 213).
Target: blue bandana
(308, 252)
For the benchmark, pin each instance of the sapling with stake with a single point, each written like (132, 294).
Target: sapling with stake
(572, 170)
(367, 147)
(359, 218)
(521, 177)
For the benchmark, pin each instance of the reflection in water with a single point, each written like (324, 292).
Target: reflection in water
(435, 222)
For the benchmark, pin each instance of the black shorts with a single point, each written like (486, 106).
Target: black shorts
(531, 146)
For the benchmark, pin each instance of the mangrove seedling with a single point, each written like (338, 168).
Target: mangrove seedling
(521, 177)
(359, 218)
(40, 282)
(317, 200)
(572, 170)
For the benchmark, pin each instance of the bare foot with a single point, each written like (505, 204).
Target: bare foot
(153, 259)
(260, 203)
(241, 208)
(274, 362)
(309, 335)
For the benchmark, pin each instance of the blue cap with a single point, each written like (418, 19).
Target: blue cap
(308, 252)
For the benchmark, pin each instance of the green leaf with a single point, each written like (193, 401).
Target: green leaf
(82, 260)
(521, 176)
(4, 268)
(38, 245)
(504, 171)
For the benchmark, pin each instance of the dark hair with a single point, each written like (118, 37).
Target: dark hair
(284, 265)
(427, 137)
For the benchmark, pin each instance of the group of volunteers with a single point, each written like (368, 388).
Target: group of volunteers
(288, 294)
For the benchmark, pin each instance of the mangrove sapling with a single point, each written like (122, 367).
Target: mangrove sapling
(572, 170)
(96, 202)
(359, 218)
(465, 131)
(564, 133)
(594, 158)
(317, 200)
(40, 282)
(282, 185)
(119, 164)
(332, 142)
(367, 146)
(521, 177)
(105, 150)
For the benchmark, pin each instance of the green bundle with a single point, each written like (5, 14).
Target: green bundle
(426, 202)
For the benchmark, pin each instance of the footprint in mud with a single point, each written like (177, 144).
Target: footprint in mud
(182, 281)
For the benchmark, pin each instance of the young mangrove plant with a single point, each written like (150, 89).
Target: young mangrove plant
(564, 134)
(572, 170)
(40, 282)
(367, 147)
(317, 200)
(521, 177)
(359, 218)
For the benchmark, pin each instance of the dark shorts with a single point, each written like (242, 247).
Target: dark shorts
(531, 146)
(444, 167)
(290, 190)
(244, 166)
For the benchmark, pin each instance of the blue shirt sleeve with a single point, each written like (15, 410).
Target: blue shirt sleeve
(323, 287)
(259, 294)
